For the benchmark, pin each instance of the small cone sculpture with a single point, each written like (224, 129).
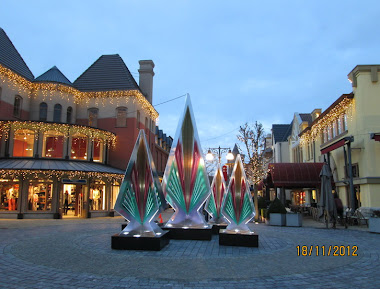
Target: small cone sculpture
(238, 207)
(216, 199)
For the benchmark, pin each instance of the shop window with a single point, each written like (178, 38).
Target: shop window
(98, 150)
(93, 117)
(23, 143)
(299, 198)
(17, 106)
(52, 144)
(121, 116)
(40, 196)
(97, 196)
(69, 114)
(115, 192)
(9, 194)
(79, 147)
(138, 120)
(43, 111)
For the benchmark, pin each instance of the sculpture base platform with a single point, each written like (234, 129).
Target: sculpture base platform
(189, 234)
(242, 240)
(124, 225)
(216, 228)
(139, 243)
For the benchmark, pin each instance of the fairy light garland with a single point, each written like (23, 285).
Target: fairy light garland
(49, 91)
(66, 129)
(345, 106)
(49, 174)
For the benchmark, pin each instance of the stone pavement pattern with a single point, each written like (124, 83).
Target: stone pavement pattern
(77, 254)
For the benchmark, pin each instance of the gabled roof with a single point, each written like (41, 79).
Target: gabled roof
(53, 75)
(10, 58)
(109, 72)
(306, 117)
(281, 132)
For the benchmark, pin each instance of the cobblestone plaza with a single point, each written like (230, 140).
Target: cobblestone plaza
(77, 254)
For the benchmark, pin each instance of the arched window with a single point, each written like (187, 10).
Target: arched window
(52, 144)
(93, 116)
(69, 114)
(121, 116)
(43, 111)
(138, 119)
(23, 143)
(17, 106)
(57, 113)
(79, 147)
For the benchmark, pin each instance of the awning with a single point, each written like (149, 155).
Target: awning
(337, 144)
(294, 175)
(56, 165)
(375, 136)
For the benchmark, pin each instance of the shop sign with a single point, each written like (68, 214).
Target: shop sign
(74, 181)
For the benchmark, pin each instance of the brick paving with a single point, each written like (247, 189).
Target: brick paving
(77, 254)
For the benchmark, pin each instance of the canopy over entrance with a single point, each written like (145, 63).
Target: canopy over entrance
(294, 175)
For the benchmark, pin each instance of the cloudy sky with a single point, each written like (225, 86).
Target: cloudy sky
(240, 61)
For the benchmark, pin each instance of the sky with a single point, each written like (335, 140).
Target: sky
(240, 61)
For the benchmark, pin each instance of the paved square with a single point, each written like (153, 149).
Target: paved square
(77, 254)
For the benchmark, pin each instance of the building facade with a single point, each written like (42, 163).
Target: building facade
(64, 146)
(346, 136)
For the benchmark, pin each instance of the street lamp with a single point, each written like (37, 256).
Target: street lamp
(219, 151)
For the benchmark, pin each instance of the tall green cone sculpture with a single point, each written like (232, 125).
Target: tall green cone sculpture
(140, 198)
(216, 199)
(238, 207)
(185, 183)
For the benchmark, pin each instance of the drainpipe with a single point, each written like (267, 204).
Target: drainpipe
(352, 192)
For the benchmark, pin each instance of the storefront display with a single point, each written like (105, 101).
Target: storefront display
(40, 196)
(97, 196)
(9, 194)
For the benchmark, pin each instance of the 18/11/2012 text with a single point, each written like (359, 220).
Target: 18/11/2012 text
(330, 250)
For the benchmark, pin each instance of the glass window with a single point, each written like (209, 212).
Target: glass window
(1, 90)
(43, 111)
(97, 196)
(57, 113)
(23, 143)
(115, 192)
(121, 116)
(138, 119)
(69, 114)
(329, 132)
(17, 106)
(345, 122)
(93, 117)
(334, 129)
(98, 150)
(9, 193)
(146, 127)
(52, 144)
(40, 196)
(79, 147)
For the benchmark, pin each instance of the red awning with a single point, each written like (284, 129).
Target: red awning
(333, 146)
(294, 175)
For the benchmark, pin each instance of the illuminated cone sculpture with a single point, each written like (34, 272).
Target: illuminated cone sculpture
(238, 207)
(216, 199)
(185, 183)
(140, 198)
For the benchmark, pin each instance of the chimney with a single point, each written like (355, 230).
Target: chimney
(146, 78)
(315, 113)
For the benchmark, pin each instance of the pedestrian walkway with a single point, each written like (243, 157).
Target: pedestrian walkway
(77, 254)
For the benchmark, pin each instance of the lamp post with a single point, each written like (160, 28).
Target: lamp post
(219, 151)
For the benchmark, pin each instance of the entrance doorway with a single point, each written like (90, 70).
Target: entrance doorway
(72, 201)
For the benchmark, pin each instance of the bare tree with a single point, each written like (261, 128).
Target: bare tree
(253, 141)
(211, 165)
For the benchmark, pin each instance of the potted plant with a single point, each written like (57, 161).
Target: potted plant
(276, 213)
(293, 219)
(374, 222)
